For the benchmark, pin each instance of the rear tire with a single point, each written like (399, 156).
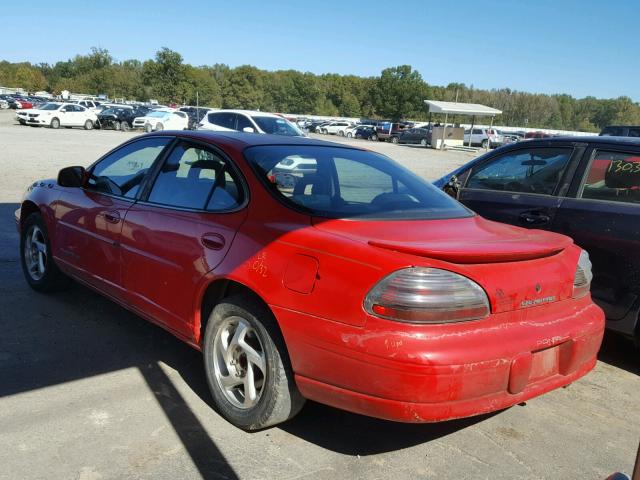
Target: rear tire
(394, 139)
(485, 143)
(423, 142)
(159, 127)
(88, 125)
(349, 135)
(247, 365)
(148, 128)
(38, 266)
(55, 123)
(340, 133)
(373, 138)
(124, 126)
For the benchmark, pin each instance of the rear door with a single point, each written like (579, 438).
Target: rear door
(522, 187)
(181, 229)
(603, 217)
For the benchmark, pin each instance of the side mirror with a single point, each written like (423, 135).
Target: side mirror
(452, 187)
(248, 130)
(72, 177)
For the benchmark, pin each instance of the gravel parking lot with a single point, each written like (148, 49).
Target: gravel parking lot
(90, 391)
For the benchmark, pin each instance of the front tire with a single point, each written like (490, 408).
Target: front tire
(423, 142)
(38, 266)
(485, 143)
(247, 365)
(394, 140)
(124, 126)
(148, 128)
(55, 123)
(373, 138)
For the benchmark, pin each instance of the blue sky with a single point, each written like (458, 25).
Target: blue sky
(582, 48)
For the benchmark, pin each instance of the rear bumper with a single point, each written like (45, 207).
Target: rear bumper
(412, 373)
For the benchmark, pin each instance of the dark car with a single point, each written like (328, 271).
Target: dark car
(586, 188)
(366, 132)
(120, 118)
(195, 114)
(621, 131)
(385, 131)
(415, 136)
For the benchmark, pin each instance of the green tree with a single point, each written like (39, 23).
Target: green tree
(399, 93)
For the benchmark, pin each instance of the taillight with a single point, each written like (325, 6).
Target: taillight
(427, 295)
(583, 276)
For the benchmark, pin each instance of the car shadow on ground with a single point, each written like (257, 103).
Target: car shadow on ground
(620, 352)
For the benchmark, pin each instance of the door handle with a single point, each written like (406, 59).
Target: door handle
(213, 241)
(112, 216)
(532, 218)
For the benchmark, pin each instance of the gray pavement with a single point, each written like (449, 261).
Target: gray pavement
(90, 391)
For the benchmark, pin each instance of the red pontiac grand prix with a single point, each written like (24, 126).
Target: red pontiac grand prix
(305, 269)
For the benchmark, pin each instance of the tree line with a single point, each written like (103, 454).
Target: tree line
(396, 94)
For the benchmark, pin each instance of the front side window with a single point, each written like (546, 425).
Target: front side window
(613, 176)
(196, 178)
(537, 170)
(339, 182)
(243, 122)
(121, 173)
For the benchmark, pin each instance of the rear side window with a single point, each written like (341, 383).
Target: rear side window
(196, 178)
(537, 170)
(339, 182)
(226, 120)
(613, 176)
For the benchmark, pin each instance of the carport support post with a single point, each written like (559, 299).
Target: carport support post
(489, 141)
(444, 129)
(473, 122)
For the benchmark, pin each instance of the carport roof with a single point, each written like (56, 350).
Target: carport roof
(456, 108)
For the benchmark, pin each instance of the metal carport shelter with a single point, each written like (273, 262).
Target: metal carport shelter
(454, 108)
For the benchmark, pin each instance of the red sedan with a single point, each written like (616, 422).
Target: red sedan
(305, 269)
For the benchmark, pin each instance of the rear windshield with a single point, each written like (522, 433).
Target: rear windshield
(338, 182)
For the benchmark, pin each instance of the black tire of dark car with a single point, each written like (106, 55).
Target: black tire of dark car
(279, 398)
(423, 142)
(52, 279)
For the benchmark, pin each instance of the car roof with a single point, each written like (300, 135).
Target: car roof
(242, 140)
(247, 112)
(632, 141)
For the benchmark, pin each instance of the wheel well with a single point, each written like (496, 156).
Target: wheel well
(26, 209)
(218, 291)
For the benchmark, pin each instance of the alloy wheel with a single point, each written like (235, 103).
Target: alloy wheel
(35, 253)
(239, 362)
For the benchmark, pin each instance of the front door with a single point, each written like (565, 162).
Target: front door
(519, 187)
(182, 230)
(90, 219)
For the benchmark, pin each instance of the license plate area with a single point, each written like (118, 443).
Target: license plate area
(544, 363)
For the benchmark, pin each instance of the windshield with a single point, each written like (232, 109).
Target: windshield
(276, 126)
(158, 114)
(339, 182)
(50, 106)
